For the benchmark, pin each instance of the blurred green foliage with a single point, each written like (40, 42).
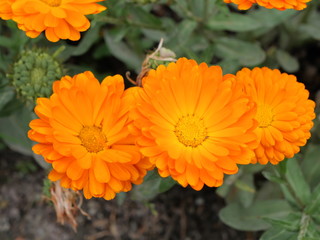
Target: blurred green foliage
(282, 200)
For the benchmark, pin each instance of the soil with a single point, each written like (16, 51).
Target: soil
(177, 214)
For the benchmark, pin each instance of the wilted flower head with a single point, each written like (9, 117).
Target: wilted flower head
(194, 123)
(82, 131)
(34, 73)
(284, 113)
(59, 19)
(277, 4)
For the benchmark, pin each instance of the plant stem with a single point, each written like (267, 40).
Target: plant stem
(304, 223)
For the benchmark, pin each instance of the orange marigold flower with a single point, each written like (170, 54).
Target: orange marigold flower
(284, 113)
(82, 131)
(194, 123)
(277, 4)
(5, 9)
(60, 19)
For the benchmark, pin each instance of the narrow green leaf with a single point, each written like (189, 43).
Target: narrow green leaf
(233, 22)
(314, 204)
(87, 41)
(272, 177)
(121, 51)
(182, 34)
(297, 181)
(310, 164)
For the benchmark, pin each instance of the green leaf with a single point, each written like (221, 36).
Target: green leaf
(87, 41)
(166, 184)
(310, 164)
(269, 18)
(278, 233)
(14, 128)
(272, 177)
(251, 219)
(297, 181)
(121, 51)
(314, 204)
(233, 22)
(287, 62)
(182, 34)
(246, 189)
(6, 95)
(152, 185)
(139, 15)
(290, 222)
(229, 65)
(245, 53)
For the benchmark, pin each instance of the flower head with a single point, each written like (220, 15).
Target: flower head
(193, 123)
(277, 4)
(284, 113)
(82, 131)
(59, 19)
(34, 73)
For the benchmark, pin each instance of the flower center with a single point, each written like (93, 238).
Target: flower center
(52, 3)
(37, 75)
(264, 115)
(92, 139)
(191, 131)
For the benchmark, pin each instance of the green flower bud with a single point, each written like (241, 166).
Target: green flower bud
(163, 57)
(33, 74)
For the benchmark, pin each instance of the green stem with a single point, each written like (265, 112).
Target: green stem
(304, 223)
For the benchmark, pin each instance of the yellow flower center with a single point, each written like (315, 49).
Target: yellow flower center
(93, 139)
(191, 131)
(52, 3)
(264, 115)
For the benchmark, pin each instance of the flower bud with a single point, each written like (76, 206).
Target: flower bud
(34, 73)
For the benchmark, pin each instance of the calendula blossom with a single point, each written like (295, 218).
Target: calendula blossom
(194, 123)
(284, 113)
(82, 131)
(59, 19)
(5, 9)
(277, 4)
